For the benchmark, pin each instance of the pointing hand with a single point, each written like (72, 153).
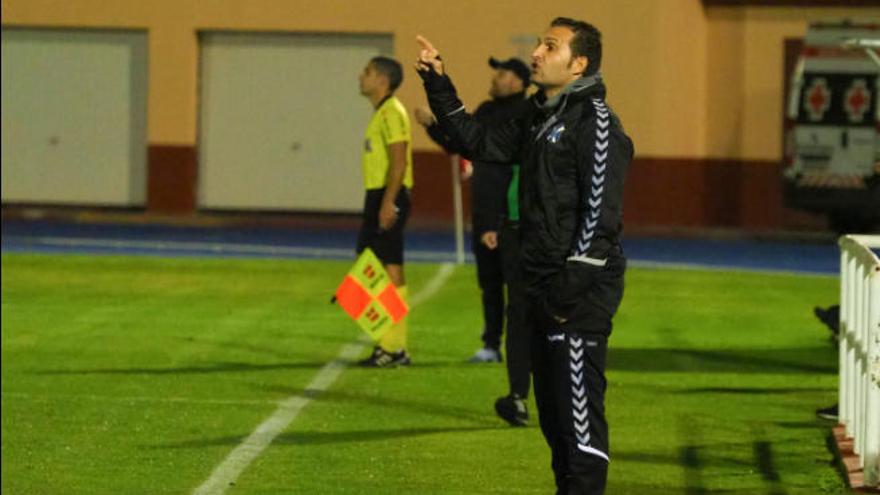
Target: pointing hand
(429, 57)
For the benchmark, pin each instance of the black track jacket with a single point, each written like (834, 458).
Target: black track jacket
(574, 155)
(490, 180)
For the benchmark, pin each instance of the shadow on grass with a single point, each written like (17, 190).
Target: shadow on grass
(754, 390)
(807, 360)
(279, 352)
(700, 462)
(836, 461)
(183, 370)
(332, 437)
(484, 415)
(763, 452)
(235, 367)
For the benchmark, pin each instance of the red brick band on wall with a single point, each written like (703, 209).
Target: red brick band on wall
(172, 179)
(660, 192)
(709, 193)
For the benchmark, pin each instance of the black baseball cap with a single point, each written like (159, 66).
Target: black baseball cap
(514, 65)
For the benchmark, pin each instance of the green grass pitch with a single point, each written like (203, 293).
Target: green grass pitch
(139, 375)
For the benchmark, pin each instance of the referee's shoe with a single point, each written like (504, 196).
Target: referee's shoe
(380, 358)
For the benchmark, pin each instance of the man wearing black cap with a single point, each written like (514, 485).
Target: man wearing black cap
(489, 209)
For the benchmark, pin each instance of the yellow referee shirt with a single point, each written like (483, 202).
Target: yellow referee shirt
(389, 124)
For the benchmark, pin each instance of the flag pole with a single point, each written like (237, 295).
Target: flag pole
(458, 209)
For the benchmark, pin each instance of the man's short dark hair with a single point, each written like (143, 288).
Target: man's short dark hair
(587, 42)
(389, 68)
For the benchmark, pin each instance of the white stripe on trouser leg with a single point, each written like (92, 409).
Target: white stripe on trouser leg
(579, 397)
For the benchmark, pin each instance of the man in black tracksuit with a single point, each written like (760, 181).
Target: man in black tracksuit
(574, 155)
(496, 237)
(489, 195)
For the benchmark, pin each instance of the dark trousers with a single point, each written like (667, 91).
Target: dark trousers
(569, 375)
(490, 276)
(517, 343)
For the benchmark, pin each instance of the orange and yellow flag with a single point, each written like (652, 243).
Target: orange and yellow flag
(368, 296)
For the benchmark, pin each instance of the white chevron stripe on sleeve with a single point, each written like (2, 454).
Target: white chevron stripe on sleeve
(594, 200)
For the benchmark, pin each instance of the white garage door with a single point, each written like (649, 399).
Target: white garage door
(282, 120)
(74, 117)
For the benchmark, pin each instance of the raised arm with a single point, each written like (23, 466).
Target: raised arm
(496, 143)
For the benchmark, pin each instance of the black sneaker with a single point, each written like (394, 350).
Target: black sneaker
(381, 358)
(513, 410)
(829, 413)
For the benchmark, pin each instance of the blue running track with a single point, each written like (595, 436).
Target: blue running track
(274, 242)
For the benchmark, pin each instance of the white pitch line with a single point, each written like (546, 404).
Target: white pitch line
(241, 457)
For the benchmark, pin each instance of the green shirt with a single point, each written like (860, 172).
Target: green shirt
(513, 196)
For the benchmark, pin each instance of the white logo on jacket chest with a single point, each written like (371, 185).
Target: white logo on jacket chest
(556, 133)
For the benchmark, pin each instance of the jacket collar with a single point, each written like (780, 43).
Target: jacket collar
(552, 109)
(577, 89)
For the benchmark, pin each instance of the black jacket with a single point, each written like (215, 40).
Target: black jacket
(491, 179)
(574, 155)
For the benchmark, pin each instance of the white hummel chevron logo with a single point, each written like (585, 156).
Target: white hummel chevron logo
(600, 158)
(579, 411)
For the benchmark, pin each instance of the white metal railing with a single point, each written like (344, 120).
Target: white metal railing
(860, 349)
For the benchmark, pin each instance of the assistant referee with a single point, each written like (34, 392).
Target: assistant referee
(388, 179)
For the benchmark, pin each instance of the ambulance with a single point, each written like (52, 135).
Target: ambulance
(832, 126)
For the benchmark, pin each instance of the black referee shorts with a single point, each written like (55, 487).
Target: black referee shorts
(387, 244)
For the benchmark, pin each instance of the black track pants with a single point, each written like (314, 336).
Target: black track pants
(491, 278)
(569, 376)
(518, 341)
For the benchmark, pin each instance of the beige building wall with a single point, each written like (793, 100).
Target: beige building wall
(745, 79)
(687, 81)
